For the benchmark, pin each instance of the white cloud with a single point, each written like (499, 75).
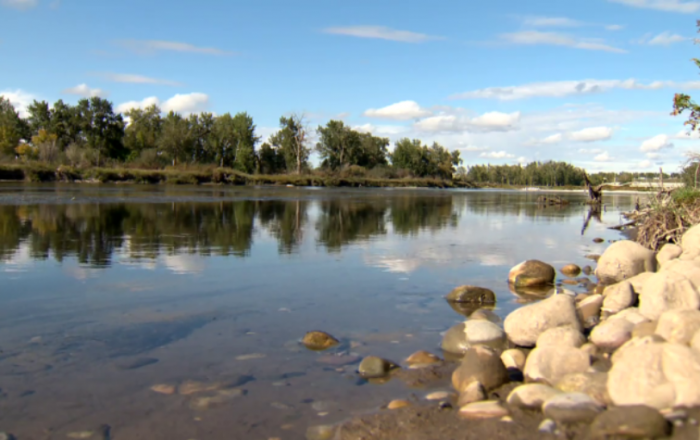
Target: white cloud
(473, 148)
(644, 164)
(666, 39)
(560, 89)
(653, 155)
(497, 155)
(380, 129)
(556, 39)
(19, 99)
(381, 33)
(603, 157)
(592, 134)
(149, 47)
(538, 21)
(184, 104)
(590, 151)
(137, 79)
(493, 121)
(684, 7)
(687, 135)
(84, 91)
(659, 142)
(614, 27)
(553, 139)
(523, 160)
(184, 264)
(401, 111)
(19, 4)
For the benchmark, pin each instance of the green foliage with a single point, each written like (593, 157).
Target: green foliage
(12, 127)
(100, 128)
(686, 195)
(144, 130)
(423, 161)
(533, 174)
(291, 141)
(340, 146)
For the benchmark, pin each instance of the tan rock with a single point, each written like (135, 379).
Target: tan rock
(398, 403)
(422, 359)
(192, 387)
(318, 340)
(526, 324)
(514, 358)
(571, 408)
(594, 384)
(474, 392)
(624, 259)
(557, 336)
(643, 329)
(673, 288)
(549, 364)
(375, 367)
(678, 326)
(480, 364)
(612, 333)
(571, 270)
(588, 310)
(531, 273)
(667, 253)
(164, 388)
(441, 395)
(531, 396)
(619, 297)
(483, 410)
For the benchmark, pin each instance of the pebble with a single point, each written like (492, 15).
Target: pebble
(320, 432)
(80, 434)
(531, 396)
(547, 426)
(248, 357)
(571, 408)
(422, 359)
(374, 367)
(483, 410)
(318, 340)
(323, 414)
(192, 387)
(280, 384)
(163, 388)
(279, 405)
(398, 403)
(223, 396)
(440, 395)
(629, 422)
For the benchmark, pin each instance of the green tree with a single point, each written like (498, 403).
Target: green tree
(101, 128)
(39, 116)
(373, 151)
(176, 138)
(291, 140)
(12, 127)
(270, 160)
(245, 142)
(338, 145)
(144, 129)
(65, 124)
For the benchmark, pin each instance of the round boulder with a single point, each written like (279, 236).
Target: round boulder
(667, 253)
(571, 408)
(550, 364)
(594, 384)
(480, 364)
(561, 336)
(618, 297)
(531, 273)
(624, 259)
(461, 337)
(531, 396)
(678, 326)
(526, 324)
(571, 270)
(318, 340)
(375, 367)
(472, 295)
(633, 421)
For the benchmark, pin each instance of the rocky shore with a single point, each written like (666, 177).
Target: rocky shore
(619, 361)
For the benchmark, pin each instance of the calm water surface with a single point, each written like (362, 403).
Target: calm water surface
(106, 291)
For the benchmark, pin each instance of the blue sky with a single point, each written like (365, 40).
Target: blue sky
(503, 81)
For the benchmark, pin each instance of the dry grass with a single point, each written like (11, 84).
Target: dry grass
(666, 217)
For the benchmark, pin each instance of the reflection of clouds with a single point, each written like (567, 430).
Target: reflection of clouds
(184, 264)
(493, 260)
(394, 265)
(82, 273)
(20, 260)
(550, 243)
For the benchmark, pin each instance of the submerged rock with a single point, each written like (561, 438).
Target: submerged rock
(480, 364)
(461, 337)
(320, 432)
(526, 324)
(624, 259)
(571, 408)
(318, 340)
(421, 359)
(375, 367)
(472, 294)
(571, 270)
(634, 421)
(220, 398)
(531, 273)
(164, 388)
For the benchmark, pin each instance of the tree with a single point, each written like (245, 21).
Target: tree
(291, 140)
(373, 151)
(65, 124)
(246, 139)
(408, 155)
(338, 145)
(144, 129)
(270, 160)
(100, 128)
(12, 127)
(176, 139)
(46, 145)
(39, 116)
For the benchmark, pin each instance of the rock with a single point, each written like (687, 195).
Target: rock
(547, 426)
(221, 397)
(646, 328)
(638, 281)
(550, 364)
(587, 270)
(635, 342)
(571, 408)
(163, 388)
(531, 273)
(321, 432)
(667, 253)
(480, 364)
(561, 336)
(251, 356)
(474, 392)
(440, 395)
(318, 340)
(590, 348)
(618, 297)
(631, 315)
(483, 410)
(612, 333)
(472, 294)
(624, 259)
(598, 240)
(690, 242)
(594, 257)
(594, 384)
(570, 282)
(485, 315)
(637, 377)
(571, 270)
(462, 336)
(695, 342)
(396, 404)
(80, 434)
(678, 326)
(636, 421)
(422, 359)
(193, 387)
(588, 310)
(375, 367)
(673, 288)
(514, 359)
(531, 396)
(526, 324)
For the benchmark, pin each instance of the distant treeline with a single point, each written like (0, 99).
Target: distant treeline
(92, 134)
(550, 173)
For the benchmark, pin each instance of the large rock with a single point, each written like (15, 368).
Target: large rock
(618, 297)
(483, 410)
(635, 421)
(657, 374)
(667, 253)
(561, 336)
(531, 273)
(571, 408)
(594, 384)
(673, 288)
(624, 259)
(459, 338)
(550, 364)
(690, 243)
(612, 333)
(638, 281)
(515, 359)
(472, 295)
(526, 324)
(531, 396)
(480, 364)
(678, 326)
(588, 310)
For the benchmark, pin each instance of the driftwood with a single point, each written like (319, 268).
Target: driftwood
(551, 201)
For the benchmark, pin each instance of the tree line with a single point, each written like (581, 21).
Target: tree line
(91, 133)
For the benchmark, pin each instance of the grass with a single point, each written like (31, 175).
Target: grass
(38, 172)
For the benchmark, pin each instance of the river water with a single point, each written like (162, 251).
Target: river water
(106, 291)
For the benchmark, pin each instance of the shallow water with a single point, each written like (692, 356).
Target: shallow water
(108, 290)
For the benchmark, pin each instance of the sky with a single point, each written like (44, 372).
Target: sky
(506, 81)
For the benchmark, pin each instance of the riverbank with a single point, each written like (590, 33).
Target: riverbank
(619, 361)
(203, 176)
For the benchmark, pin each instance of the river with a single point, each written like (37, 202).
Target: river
(106, 291)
